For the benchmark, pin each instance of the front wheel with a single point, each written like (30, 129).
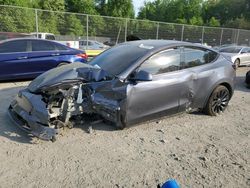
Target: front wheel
(237, 63)
(218, 101)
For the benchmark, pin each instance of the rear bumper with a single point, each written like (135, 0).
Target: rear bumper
(23, 114)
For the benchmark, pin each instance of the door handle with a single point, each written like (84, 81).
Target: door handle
(22, 57)
(55, 54)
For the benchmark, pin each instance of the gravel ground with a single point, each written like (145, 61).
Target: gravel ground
(195, 149)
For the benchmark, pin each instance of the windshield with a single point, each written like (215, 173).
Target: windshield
(231, 49)
(118, 59)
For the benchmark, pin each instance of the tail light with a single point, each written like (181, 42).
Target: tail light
(84, 56)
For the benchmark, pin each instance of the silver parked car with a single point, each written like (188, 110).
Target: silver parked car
(239, 55)
(127, 84)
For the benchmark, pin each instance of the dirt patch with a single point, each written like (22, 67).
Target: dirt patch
(195, 149)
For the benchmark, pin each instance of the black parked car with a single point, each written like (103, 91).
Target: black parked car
(129, 83)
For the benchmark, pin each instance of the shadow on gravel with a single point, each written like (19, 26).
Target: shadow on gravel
(89, 127)
(8, 128)
(240, 84)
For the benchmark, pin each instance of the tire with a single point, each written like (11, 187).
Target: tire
(61, 64)
(217, 101)
(237, 63)
(247, 80)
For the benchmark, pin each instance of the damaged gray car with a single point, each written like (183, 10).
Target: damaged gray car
(127, 84)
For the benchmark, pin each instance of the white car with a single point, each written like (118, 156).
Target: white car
(239, 55)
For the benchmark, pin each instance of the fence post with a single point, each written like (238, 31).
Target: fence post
(36, 23)
(202, 35)
(221, 35)
(237, 39)
(87, 29)
(126, 30)
(157, 30)
(182, 32)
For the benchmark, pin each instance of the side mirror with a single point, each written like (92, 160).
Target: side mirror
(243, 52)
(143, 76)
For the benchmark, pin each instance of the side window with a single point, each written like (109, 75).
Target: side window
(248, 50)
(61, 47)
(244, 50)
(38, 45)
(84, 43)
(163, 62)
(197, 56)
(13, 46)
(50, 37)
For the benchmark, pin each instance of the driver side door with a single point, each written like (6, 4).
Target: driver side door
(160, 96)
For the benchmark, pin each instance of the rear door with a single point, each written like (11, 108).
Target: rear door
(43, 56)
(14, 60)
(198, 61)
(244, 56)
(248, 55)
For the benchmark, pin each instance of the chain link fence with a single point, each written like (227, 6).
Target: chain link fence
(74, 26)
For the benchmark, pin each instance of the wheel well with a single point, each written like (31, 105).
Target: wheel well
(238, 59)
(63, 62)
(227, 85)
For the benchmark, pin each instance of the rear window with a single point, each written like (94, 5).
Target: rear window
(13, 46)
(230, 50)
(39, 45)
(198, 56)
(61, 47)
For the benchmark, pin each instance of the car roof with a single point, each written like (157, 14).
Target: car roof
(18, 39)
(154, 45)
(235, 47)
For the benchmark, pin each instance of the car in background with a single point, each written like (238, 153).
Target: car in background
(247, 80)
(92, 45)
(132, 82)
(223, 46)
(47, 36)
(28, 58)
(239, 55)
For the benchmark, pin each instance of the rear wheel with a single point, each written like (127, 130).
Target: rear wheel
(218, 101)
(237, 63)
(61, 64)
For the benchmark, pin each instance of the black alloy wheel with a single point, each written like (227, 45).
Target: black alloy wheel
(218, 101)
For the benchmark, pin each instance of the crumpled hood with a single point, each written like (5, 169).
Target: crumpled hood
(74, 71)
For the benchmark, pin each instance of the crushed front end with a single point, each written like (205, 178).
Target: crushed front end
(48, 107)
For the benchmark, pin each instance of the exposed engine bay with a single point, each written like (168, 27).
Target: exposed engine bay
(43, 110)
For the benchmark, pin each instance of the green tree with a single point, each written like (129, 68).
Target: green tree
(81, 6)
(214, 22)
(54, 5)
(17, 19)
(22, 3)
(48, 20)
(121, 8)
(196, 20)
(72, 26)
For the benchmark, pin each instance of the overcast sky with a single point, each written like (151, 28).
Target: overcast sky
(138, 4)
